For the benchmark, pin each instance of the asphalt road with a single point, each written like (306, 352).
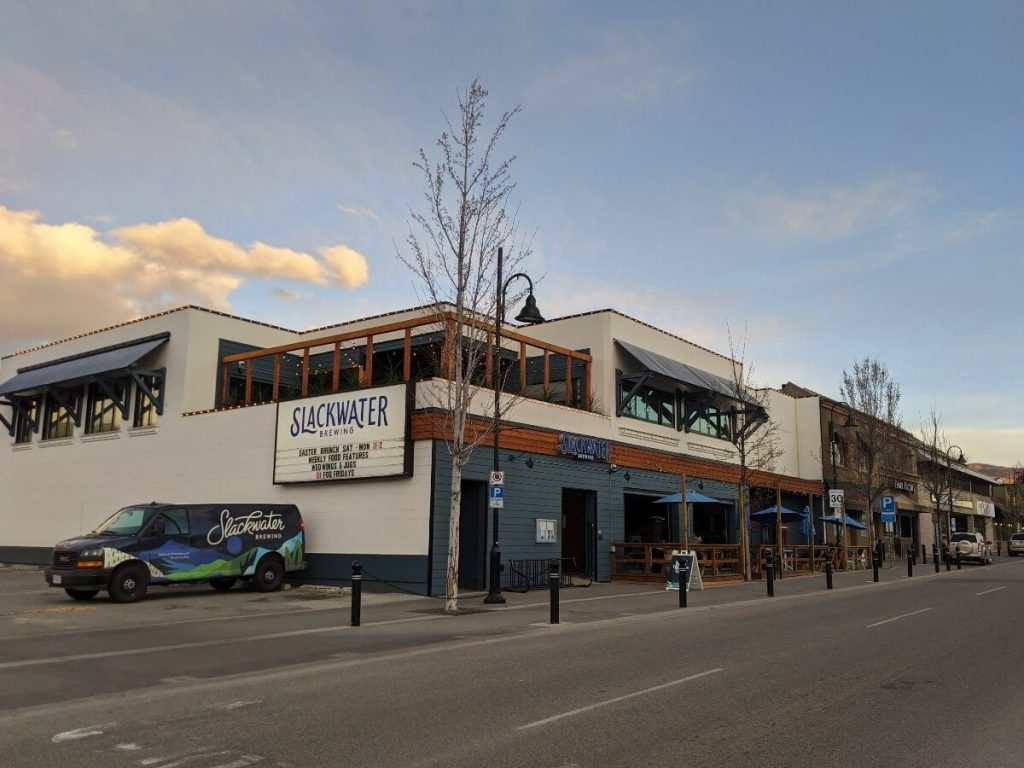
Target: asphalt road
(909, 672)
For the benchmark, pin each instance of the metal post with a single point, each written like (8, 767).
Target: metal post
(494, 595)
(924, 555)
(828, 575)
(769, 573)
(945, 556)
(958, 564)
(875, 557)
(357, 592)
(910, 564)
(935, 557)
(553, 579)
(684, 579)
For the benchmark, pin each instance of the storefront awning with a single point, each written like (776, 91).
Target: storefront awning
(838, 520)
(692, 497)
(683, 373)
(82, 367)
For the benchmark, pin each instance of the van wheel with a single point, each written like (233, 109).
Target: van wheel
(128, 584)
(81, 594)
(269, 574)
(222, 585)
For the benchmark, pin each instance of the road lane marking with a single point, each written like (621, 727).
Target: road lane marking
(617, 699)
(896, 618)
(81, 733)
(989, 591)
(201, 644)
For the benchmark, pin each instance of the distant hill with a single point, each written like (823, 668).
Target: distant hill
(992, 470)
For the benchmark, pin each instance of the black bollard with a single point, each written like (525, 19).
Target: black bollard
(553, 579)
(828, 574)
(684, 573)
(357, 592)
(769, 575)
(924, 555)
(910, 564)
(935, 557)
(875, 556)
(958, 565)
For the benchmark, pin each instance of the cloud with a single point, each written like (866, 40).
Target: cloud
(623, 71)
(57, 274)
(283, 294)
(834, 213)
(346, 265)
(355, 210)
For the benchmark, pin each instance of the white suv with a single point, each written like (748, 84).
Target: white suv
(1016, 545)
(970, 545)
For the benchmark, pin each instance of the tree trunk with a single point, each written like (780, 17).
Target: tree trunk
(451, 595)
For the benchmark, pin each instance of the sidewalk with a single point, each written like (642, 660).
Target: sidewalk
(610, 599)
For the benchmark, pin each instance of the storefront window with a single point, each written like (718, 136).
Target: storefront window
(26, 419)
(144, 409)
(711, 421)
(58, 421)
(648, 404)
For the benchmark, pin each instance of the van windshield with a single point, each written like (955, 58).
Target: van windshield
(124, 522)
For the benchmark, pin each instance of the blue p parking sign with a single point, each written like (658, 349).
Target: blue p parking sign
(888, 509)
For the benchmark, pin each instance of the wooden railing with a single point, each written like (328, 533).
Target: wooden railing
(649, 561)
(443, 324)
(646, 561)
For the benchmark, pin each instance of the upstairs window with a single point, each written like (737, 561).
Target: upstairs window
(61, 410)
(26, 420)
(104, 412)
(648, 404)
(143, 408)
(711, 421)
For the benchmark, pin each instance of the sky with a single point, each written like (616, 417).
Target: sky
(829, 180)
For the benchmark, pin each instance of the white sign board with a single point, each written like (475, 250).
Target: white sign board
(546, 532)
(497, 477)
(835, 498)
(985, 508)
(344, 436)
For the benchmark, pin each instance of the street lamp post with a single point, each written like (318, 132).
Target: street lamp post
(529, 315)
(850, 424)
(949, 485)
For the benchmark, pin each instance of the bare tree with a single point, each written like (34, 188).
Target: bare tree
(878, 450)
(452, 247)
(754, 435)
(933, 468)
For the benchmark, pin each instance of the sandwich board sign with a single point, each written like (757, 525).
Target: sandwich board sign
(692, 573)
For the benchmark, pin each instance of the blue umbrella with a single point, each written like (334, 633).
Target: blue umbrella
(850, 522)
(692, 497)
(767, 515)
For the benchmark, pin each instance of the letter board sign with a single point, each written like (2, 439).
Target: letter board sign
(344, 436)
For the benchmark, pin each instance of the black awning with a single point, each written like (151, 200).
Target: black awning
(81, 367)
(683, 373)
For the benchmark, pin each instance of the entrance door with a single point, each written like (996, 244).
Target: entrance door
(473, 535)
(579, 530)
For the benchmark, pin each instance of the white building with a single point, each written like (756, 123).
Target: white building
(193, 405)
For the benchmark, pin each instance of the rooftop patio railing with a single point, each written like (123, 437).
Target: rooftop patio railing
(407, 350)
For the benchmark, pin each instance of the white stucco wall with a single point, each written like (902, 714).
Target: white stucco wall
(55, 490)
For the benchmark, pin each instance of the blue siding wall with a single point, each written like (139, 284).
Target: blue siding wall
(537, 493)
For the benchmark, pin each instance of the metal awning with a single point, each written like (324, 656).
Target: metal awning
(684, 374)
(79, 368)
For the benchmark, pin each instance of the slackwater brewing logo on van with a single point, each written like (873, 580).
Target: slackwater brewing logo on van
(344, 436)
(257, 525)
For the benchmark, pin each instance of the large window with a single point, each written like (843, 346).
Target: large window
(711, 421)
(648, 404)
(144, 409)
(104, 411)
(26, 419)
(58, 421)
